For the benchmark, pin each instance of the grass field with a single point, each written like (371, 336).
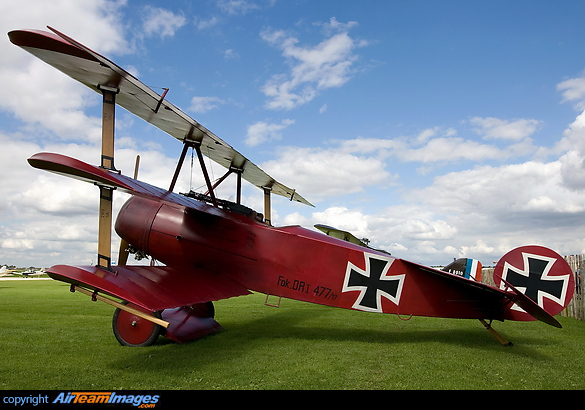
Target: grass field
(52, 339)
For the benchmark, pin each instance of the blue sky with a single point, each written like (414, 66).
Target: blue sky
(435, 129)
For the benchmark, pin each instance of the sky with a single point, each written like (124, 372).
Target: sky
(437, 130)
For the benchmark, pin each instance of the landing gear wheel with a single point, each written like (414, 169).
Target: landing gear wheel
(134, 331)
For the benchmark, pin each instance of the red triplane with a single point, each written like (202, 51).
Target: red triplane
(212, 249)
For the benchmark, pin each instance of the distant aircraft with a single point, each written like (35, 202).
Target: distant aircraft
(29, 273)
(214, 249)
(4, 271)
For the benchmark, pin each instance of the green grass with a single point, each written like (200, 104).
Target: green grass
(52, 339)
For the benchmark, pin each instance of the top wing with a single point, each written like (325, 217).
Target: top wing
(95, 71)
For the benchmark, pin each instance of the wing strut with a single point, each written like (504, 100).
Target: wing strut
(107, 162)
(197, 147)
(186, 146)
(239, 186)
(210, 187)
(267, 205)
(230, 171)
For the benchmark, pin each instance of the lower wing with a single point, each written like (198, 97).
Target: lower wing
(154, 288)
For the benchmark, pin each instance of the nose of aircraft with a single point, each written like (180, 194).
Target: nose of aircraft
(135, 219)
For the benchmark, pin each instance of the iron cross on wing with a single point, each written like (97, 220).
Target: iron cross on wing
(373, 283)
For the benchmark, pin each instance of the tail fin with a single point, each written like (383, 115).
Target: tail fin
(539, 274)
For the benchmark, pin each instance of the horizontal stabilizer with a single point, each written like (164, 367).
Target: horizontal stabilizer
(339, 234)
(532, 307)
(346, 236)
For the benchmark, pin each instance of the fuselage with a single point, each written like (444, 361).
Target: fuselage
(291, 262)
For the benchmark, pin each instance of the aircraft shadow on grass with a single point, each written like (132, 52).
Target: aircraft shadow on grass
(287, 325)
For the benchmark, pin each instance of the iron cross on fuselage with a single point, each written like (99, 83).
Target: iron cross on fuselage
(373, 283)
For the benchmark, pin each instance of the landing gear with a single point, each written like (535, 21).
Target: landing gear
(184, 324)
(132, 330)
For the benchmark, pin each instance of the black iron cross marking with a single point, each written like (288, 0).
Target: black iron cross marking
(373, 283)
(534, 280)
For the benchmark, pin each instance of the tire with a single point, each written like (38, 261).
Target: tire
(134, 331)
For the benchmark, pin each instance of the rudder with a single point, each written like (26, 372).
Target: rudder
(466, 267)
(539, 273)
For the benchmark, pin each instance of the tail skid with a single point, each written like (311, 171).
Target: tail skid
(489, 328)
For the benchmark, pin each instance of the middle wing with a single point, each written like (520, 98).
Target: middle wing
(74, 168)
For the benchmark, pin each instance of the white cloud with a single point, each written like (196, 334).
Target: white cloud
(95, 22)
(573, 89)
(201, 105)
(334, 26)
(320, 173)
(514, 186)
(40, 95)
(237, 6)
(59, 108)
(353, 221)
(573, 160)
(230, 54)
(451, 150)
(44, 217)
(504, 206)
(205, 24)
(313, 69)
(262, 131)
(436, 146)
(496, 128)
(428, 230)
(161, 22)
